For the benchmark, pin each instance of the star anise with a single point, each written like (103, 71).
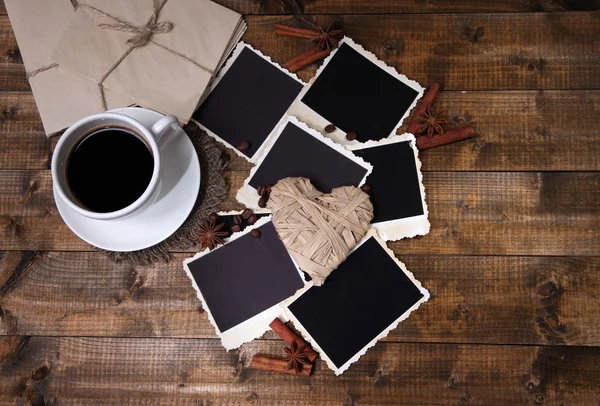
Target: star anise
(431, 122)
(296, 357)
(210, 236)
(327, 38)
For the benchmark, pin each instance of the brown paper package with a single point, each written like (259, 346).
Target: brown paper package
(168, 74)
(62, 96)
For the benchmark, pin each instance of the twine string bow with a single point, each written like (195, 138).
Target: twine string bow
(143, 36)
(144, 33)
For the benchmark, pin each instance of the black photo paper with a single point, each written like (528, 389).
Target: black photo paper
(299, 151)
(296, 153)
(397, 191)
(364, 298)
(356, 94)
(394, 182)
(248, 101)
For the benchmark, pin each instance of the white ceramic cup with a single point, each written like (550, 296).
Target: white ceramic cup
(154, 138)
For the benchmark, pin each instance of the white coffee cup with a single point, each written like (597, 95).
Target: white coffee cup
(154, 138)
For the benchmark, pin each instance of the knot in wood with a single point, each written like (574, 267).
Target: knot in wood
(40, 373)
(462, 308)
(547, 289)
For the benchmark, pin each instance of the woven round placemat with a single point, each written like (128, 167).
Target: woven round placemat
(213, 190)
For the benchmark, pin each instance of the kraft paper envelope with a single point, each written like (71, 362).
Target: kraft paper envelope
(171, 72)
(62, 97)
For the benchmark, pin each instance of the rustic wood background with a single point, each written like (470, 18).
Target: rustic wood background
(511, 262)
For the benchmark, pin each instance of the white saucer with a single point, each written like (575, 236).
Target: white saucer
(179, 188)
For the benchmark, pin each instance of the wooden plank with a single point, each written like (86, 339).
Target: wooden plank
(491, 300)
(464, 51)
(486, 213)
(22, 137)
(405, 6)
(424, 6)
(461, 51)
(517, 131)
(387, 6)
(12, 76)
(175, 372)
(520, 131)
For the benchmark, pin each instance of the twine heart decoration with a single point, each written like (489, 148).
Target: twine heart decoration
(319, 229)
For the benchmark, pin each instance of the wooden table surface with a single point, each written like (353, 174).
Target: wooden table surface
(512, 260)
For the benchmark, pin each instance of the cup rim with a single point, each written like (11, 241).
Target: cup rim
(139, 128)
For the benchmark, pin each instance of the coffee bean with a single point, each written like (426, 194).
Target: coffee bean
(213, 217)
(235, 228)
(269, 188)
(366, 188)
(330, 128)
(237, 220)
(246, 214)
(252, 219)
(256, 233)
(243, 146)
(262, 189)
(351, 136)
(262, 202)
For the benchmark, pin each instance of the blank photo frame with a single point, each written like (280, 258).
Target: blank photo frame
(356, 92)
(397, 191)
(360, 302)
(247, 101)
(299, 151)
(242, 283)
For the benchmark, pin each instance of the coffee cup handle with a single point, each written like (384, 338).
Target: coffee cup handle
(159, 129)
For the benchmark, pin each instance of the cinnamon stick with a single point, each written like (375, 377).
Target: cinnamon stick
(277, 365)
(290, 337)
(292, 34)
(295, 32)
(425, 102)
(302, 56)
(306, 58)
(448, 137)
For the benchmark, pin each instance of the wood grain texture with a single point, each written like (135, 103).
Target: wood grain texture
(520, 131)
(22, 135)
(504, 213)
(434, 6)
(511, 261)
(464, 51)
(176, 372)
(12, 71)
(482, 213)
(491, 300)
(460, 51)
(516, 131)
(387, 6)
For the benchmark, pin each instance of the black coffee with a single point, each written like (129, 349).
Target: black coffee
(109, 169)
